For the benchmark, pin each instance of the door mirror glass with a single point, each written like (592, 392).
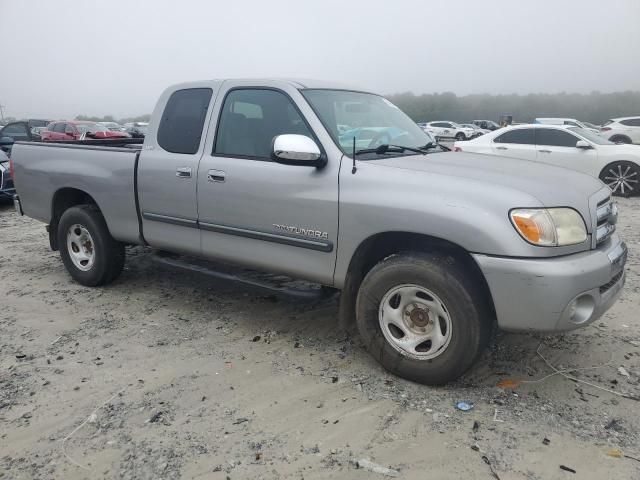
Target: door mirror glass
(583, 144)
(294, 149)
(6, 141)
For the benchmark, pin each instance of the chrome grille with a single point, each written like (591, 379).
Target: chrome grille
(606, 216)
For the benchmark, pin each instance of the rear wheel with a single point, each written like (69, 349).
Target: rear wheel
(423, 317)
(89, 252)
(460, 136)
(623, 178)
(620, 139)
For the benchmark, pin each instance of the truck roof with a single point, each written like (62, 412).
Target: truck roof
(299, 83)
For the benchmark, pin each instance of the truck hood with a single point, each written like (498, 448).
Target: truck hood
(551, 186)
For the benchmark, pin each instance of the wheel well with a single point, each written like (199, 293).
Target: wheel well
(619, 136)
(378, 247)
(64, 199)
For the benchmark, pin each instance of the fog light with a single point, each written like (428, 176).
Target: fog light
(581, 309)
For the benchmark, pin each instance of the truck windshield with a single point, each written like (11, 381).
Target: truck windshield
(369, 119)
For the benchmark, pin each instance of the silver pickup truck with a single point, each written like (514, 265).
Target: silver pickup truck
(339, 187)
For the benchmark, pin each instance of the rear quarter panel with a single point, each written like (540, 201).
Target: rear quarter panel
(104, 173)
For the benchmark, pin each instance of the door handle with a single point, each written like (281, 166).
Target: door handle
(544, 151)
(502, 148)
(183, 172)
(216, 176)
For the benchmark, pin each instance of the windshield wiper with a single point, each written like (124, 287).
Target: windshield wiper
(387, 148)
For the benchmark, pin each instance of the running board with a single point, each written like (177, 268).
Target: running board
(273, 283)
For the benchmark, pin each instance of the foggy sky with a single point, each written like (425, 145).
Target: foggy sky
(63, 58)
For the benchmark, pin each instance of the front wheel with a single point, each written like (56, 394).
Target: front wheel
(460, 137)
(623, 178)
(423, 317)
(89, 252)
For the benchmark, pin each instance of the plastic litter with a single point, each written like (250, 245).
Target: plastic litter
(509, 383)
(464, 406)
(375, 468)
(614, 452)
(567, 469)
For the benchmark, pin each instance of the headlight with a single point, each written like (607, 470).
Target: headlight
(549, 227)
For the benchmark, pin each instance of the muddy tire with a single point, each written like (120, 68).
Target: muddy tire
(88, 251)
(423, 316)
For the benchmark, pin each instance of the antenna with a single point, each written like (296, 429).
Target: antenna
(354, 168)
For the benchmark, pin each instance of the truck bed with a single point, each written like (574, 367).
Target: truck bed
(106, 173)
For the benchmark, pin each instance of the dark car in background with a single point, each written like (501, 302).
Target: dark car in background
(78, 130)
(17, 132)
(6, 182)
(486, 124)
(137, 129)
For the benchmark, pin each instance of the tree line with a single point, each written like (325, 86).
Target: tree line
(594, 107)
(110, 118)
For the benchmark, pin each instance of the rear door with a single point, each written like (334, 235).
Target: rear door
(516, 143)
(255, 211)
(59, 131)
(558, 147)
(168, 170)
(632, 129)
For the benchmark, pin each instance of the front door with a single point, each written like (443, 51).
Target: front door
(516, 143)
(168, 172)
(558, 147)
(255, 211)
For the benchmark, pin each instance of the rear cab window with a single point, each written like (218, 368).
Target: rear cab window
(182, 122)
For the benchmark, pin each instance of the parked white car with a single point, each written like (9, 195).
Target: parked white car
(565, 121)
(576, 148)
(477, 131)
(622, 130)
(443, 129)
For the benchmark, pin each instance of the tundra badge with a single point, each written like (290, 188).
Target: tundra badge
(307, 232)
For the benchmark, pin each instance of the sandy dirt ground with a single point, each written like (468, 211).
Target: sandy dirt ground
(170, 374)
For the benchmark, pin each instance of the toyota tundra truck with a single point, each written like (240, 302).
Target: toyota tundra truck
(339, 187)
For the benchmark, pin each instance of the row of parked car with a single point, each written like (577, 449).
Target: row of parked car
(616, 130)
(48, 130)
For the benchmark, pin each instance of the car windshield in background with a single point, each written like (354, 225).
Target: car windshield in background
(589, 135)
(369, 119)
(90, 127)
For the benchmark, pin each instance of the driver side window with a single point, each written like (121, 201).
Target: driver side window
(251, 118)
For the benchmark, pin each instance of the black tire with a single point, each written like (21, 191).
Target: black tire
(108, 253)
(460, 137)
(468, 307)
(629, 174)
(620, 139)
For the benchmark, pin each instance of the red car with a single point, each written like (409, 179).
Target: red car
(76, 130)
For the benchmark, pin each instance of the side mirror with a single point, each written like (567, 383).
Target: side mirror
(6, 141)
(293, 149)
(583, 145)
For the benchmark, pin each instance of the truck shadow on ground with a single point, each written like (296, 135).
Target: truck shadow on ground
(254, 312)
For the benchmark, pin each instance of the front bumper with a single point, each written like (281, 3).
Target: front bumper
(555, 294)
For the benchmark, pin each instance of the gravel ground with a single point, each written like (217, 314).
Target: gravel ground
(171, 374)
